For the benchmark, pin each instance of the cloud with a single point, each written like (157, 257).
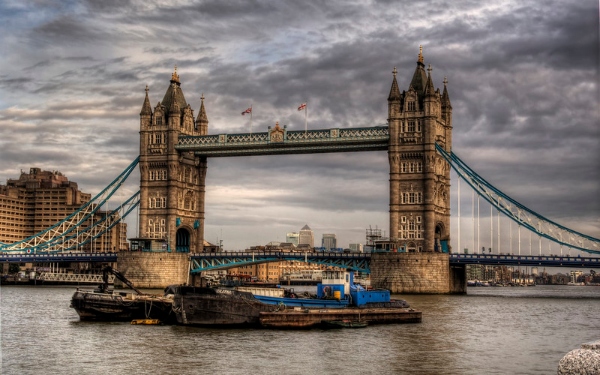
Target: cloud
(523, 81)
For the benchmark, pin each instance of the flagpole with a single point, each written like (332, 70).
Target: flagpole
(305, 118)
(250, 118)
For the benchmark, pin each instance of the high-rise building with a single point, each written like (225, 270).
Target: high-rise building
(356, 247)
(329, 241)
(292, 237)
(39, 199)
(306, 236)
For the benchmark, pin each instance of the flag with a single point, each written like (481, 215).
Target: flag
(302, 106)
(249, 110)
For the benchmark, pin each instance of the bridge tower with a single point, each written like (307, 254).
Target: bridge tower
(172, 183)
(419, 178)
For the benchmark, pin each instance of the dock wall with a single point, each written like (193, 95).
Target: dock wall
(417, 273)
(153, 270)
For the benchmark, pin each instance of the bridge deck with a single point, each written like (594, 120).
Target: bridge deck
(356, 261)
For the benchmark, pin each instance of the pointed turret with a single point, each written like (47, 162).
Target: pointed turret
(202, 119)
(429, 89)
(146, 109)
(419, 78)
(395, 90)
(174, 93)
(146, 113)
(445, 97)
(447, 109)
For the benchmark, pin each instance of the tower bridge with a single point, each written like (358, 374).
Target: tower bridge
(174, 151)
(175, 148)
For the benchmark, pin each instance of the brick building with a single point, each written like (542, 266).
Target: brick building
(39, 199)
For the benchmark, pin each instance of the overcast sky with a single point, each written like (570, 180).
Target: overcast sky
(522, 77)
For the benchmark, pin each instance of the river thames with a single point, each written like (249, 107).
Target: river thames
(523, 330)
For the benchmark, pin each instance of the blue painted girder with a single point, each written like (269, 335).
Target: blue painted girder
(213, 261)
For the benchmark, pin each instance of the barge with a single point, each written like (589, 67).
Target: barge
(322, 318)
(206, 306)
(102, 304)
(337, 299)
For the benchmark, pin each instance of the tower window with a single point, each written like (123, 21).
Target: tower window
(411, 106)
(159, 120)
(411, 126)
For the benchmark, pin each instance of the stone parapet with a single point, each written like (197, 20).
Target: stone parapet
(153, 270)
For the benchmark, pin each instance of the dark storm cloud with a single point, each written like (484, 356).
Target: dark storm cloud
(523, 81)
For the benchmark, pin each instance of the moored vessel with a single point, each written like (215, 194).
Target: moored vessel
(102, 304)
(204, 306)
(337, 299)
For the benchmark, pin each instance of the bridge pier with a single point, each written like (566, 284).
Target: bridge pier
(153, 270)
(417, 273)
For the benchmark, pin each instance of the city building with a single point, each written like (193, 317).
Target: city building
(481, 272)
(329, 242)
(292, 237)
(306, 237)
(356, 247)
(39, 199)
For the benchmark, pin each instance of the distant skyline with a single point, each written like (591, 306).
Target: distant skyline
(522, 76)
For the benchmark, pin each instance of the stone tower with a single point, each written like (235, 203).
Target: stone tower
(419, 177)
(171, 182)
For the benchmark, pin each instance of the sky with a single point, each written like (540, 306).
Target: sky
(522, 77)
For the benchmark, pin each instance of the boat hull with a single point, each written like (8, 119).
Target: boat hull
(123, 307)
(201, 306)
(318, 318)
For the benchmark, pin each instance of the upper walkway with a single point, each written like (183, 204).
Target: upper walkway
(281, 141)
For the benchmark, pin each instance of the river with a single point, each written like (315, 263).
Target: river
(523, 330)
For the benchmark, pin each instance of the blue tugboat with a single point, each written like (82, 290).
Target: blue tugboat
(336, 290)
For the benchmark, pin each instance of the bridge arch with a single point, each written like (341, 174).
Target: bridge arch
(440, 238)
(183, 240)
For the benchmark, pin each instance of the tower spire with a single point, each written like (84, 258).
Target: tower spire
(175, 76)
(429, 89)
(146, 109)
(202, 119)
(395, 90)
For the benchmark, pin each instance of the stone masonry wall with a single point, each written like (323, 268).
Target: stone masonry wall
(413, 273)
(153, 270)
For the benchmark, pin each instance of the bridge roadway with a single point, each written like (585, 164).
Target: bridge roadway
(356, 261)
